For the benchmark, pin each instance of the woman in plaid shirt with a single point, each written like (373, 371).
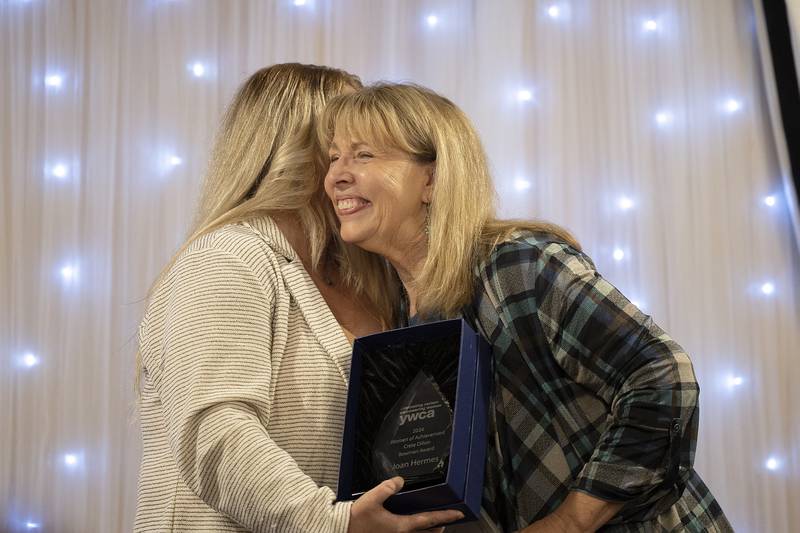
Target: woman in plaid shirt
(595, 408)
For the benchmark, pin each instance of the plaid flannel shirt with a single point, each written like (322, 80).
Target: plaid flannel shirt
(589, 395)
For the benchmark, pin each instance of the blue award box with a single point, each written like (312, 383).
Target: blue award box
(417, 406)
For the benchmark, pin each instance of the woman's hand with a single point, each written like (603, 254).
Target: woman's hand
(367, 515)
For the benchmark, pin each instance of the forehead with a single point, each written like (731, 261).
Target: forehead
(351, 128)
(346, 141)
(351, 140)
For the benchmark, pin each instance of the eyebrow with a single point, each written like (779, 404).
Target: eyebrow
(353, 146)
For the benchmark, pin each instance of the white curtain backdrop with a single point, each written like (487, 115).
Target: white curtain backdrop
(643, 126)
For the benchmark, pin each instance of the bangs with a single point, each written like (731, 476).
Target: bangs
(364, 116)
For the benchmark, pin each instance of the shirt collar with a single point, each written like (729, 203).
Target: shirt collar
(267, 228)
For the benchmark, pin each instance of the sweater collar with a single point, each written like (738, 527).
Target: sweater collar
(273, 235)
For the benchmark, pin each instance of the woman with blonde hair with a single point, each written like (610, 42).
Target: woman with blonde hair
(244, 352)
(594, 417)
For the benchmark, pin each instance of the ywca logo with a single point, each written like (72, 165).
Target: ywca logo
(419, 415)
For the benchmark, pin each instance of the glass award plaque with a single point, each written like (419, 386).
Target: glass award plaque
(405, 412)
(414, 439)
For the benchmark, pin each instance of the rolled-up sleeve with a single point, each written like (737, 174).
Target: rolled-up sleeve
(604, 343)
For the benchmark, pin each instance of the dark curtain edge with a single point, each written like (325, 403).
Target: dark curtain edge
(786, 81)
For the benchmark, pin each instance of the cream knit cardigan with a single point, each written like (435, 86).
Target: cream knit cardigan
(244, 394)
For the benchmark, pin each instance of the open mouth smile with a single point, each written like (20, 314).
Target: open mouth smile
(348, 206)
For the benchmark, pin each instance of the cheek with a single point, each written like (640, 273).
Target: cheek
(398, 207)
(385, 214)
(327, 183)
(407, 200)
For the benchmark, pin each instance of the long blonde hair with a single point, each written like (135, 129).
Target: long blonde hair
(265, 161)
(463, 228)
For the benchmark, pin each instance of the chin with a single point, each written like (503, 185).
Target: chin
(357, 239)
(347, 240)
(348, 236)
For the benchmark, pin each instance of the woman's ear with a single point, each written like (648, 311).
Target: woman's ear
(427, 194)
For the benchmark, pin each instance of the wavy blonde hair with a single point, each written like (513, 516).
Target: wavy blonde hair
(463, 227)
(265, 161)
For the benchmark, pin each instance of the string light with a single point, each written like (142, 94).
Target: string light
(731, 105)
(650, 25)
(618, 254)
(31, 525)
(54, 80)
(167, 160)
(198, 69)
(732, 381)
(521, 184)
(769, 201)
(663, 118)
(554, 11)
(625, 203)
(28, 360)
(69, 273)
(73, 460)
(299, 2)
(768, 288)
(432, 20)
(59, 171)
(772, 463)
(524, 95)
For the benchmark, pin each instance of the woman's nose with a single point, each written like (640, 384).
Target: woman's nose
(340, 171)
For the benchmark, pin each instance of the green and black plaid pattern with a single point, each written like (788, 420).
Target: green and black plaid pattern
(589, 395)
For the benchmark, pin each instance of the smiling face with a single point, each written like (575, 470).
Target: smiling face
(379, 196)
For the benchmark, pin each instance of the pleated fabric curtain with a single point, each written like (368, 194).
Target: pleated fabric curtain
(643, 127)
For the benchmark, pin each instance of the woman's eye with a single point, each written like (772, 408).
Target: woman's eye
(334, 158)
(364, 155)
